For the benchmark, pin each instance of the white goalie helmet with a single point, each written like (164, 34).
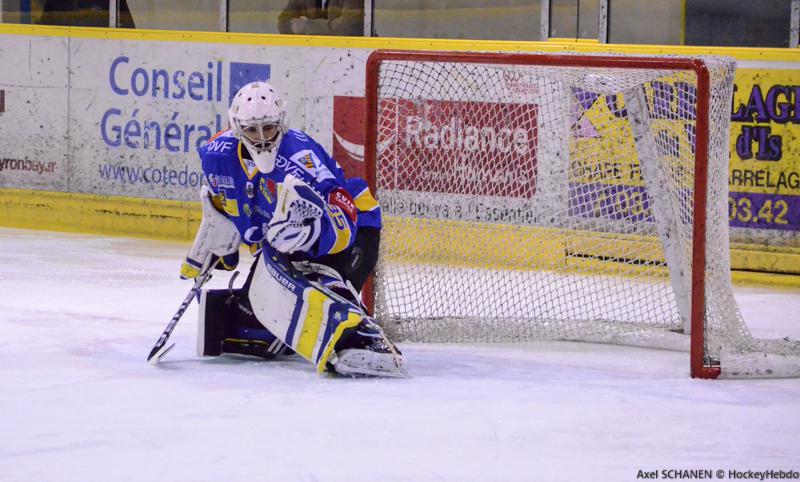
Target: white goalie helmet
(257, 117)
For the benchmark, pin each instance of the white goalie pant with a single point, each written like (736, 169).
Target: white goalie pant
(297, 313)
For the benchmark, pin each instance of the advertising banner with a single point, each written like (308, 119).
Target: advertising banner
(34, 125)
(140, 110)
(124, 117)
(459, 147)
(764, 175)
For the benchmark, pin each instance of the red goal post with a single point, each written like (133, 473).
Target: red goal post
(443, 100)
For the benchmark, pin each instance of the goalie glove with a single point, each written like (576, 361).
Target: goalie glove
(296, 222)
(216, 237)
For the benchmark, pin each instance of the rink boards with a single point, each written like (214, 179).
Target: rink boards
(106, 124)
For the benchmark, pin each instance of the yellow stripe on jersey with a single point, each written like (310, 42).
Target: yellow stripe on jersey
(353, 319)
(248, 165)
(365, 202)
(218, 201)
(232, 207)
(343, 232)
(314, 312)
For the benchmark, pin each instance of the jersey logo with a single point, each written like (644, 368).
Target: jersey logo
(340, 197)
(255, 234)
(218, 181)
(306, 159)
(220, 145)
(289, 167)
(267, 188)
(311, 164)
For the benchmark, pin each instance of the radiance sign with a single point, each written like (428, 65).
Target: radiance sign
(451, 147)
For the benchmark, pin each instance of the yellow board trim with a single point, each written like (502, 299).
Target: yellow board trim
(501, 246)
(179, 220)
(312, 321)
(549, 249)
(100, 214)
(278, 40)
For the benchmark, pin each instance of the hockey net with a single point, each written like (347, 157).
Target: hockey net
(559, 197)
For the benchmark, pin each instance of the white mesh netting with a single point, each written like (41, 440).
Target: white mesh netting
(531, 202)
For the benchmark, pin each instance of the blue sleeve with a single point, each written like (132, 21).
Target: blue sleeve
(369, 211)
(210, 168)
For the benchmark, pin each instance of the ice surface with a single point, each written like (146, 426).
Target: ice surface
(79, 402)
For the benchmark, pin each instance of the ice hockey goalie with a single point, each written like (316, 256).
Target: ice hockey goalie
(315, 233)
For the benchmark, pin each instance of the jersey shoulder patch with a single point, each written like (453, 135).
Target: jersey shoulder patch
(308, 160)
(224, 143)
(304, 154)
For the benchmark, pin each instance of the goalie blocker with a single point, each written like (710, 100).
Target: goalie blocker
(314, 313)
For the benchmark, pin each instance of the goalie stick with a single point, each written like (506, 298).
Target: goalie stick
(160, 348)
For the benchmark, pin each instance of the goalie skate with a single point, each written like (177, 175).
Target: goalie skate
(365, 351)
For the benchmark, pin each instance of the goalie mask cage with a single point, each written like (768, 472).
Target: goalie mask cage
(559, 197)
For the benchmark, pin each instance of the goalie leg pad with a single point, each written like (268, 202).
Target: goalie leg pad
(210, 326)
(305, 318)
(319, 324)
(226, 324)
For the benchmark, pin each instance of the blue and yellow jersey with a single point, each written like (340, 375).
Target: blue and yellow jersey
(248, 196)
